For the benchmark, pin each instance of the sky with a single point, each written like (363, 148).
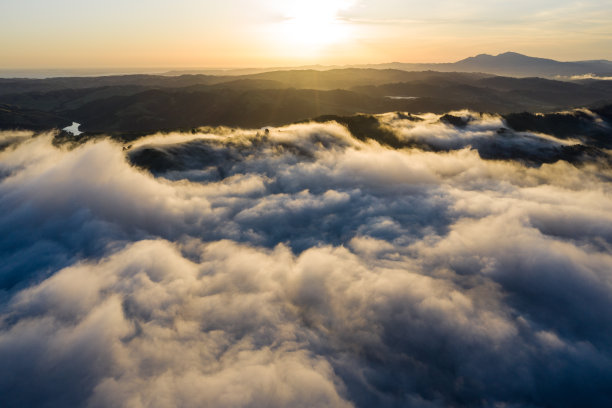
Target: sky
(40, 34)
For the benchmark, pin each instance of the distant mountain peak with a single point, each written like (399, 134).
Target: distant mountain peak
(509, 55)
(512, 54)
(515, 64)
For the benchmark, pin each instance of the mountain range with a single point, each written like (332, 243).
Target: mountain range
(515, 65)
(506, 64)
(125, 105)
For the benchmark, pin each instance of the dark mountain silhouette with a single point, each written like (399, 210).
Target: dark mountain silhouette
(514, 64)
(507, 64)
(148, 103)
(304, 79)
(511, 64)
(12, 117)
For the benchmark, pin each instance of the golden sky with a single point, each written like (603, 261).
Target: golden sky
(248, 33)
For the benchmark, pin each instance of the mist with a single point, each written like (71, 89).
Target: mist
(467, 266)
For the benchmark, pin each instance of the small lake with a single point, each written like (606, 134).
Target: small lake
(74, 129)
(402, 97)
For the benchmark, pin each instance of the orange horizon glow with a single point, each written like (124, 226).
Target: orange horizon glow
(251, 34)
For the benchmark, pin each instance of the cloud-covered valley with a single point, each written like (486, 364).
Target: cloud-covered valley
(468, 265)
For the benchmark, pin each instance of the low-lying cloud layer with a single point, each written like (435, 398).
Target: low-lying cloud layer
(305, 268)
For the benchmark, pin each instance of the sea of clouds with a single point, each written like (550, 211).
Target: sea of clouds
(303, 268)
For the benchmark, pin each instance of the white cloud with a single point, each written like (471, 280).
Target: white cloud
(303, 269)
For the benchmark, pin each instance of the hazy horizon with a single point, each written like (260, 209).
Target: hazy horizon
(42, 73)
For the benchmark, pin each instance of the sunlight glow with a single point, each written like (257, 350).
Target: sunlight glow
(314, 24)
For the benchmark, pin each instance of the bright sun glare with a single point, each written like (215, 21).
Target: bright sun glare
(315, 23)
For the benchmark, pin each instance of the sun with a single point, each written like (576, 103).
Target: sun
(314, 24)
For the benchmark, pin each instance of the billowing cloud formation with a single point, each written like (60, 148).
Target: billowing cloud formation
(303, 268)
